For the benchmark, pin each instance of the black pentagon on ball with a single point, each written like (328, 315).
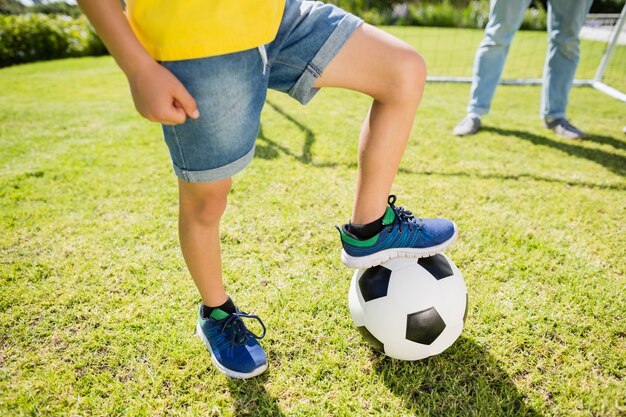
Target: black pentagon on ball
(437, 265)
(369, 338)
(374, 282)
(424, 326)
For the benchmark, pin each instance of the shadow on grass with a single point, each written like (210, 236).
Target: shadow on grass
(251, 399)
(516, 177)
(464, 380)
(607, 140)
(309, 136)
(270, 149)
(615, 163)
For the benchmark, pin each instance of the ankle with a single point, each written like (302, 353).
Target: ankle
(364, 213)
(366, 231)
(215, 298)
(227, 306)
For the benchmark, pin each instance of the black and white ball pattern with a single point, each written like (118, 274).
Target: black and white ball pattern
(409, 309)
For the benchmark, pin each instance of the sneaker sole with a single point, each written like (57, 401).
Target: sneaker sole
(364, 262)
(224, 370)
(569, 136)
(469, 133)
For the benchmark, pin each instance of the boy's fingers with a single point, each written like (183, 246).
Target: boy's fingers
(187, 102)
(172, 116)
(176, 116)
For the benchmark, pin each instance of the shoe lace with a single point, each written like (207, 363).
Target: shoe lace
(404, 216)
(565, 124)
(234, 326)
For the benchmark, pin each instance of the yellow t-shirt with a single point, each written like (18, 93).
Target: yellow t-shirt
(172, 30)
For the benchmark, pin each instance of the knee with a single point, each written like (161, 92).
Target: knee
(206, 212)
(495, 41)
(407, 77)
(499, 34)
(204, 208)
(567, 45)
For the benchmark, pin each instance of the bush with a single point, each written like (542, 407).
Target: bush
(377, 17)
(37, 37)
(443, 13)
(57, 7)
(11, 7)
(535, 18)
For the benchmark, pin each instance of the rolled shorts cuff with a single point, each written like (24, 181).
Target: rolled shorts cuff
(303, 89)
(216, 174)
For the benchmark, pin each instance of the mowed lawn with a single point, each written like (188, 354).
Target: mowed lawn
(97, 311)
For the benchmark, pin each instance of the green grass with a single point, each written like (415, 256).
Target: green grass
(97, 311)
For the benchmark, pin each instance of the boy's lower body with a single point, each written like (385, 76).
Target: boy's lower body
(317, 46)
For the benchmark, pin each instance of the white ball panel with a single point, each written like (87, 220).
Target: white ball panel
(355, 301)
(382, 321)
(407, 351)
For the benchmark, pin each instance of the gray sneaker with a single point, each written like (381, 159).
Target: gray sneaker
(564, 128)
(468, 126)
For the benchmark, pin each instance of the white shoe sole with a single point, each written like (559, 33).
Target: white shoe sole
(363, 262)
(222, 369)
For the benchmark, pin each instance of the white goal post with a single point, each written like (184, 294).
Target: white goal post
(617, 37)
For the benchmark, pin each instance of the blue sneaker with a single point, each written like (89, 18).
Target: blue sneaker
(234, 349)
(402, 235)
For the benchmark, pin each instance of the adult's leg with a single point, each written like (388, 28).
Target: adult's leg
(505, 18)
(393, 74)
(565, 19)
(200, 211)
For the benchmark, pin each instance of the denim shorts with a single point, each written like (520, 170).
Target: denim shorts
(230, 89)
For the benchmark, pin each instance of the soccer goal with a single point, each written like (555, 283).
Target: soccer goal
(450, 52)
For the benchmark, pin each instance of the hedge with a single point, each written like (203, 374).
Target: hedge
(444, 13)
(38, 37)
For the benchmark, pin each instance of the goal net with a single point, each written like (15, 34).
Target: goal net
(450, 52)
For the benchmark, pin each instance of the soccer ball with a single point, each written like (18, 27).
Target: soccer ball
(409, 309)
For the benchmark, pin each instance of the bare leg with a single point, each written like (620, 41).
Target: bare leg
(201, 208)
(393, 74)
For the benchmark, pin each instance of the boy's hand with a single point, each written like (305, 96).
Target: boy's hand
(160, 97)
(157, 93)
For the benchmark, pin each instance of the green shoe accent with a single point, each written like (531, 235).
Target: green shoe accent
(218, 314)
(355, 242)
(389, 216)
